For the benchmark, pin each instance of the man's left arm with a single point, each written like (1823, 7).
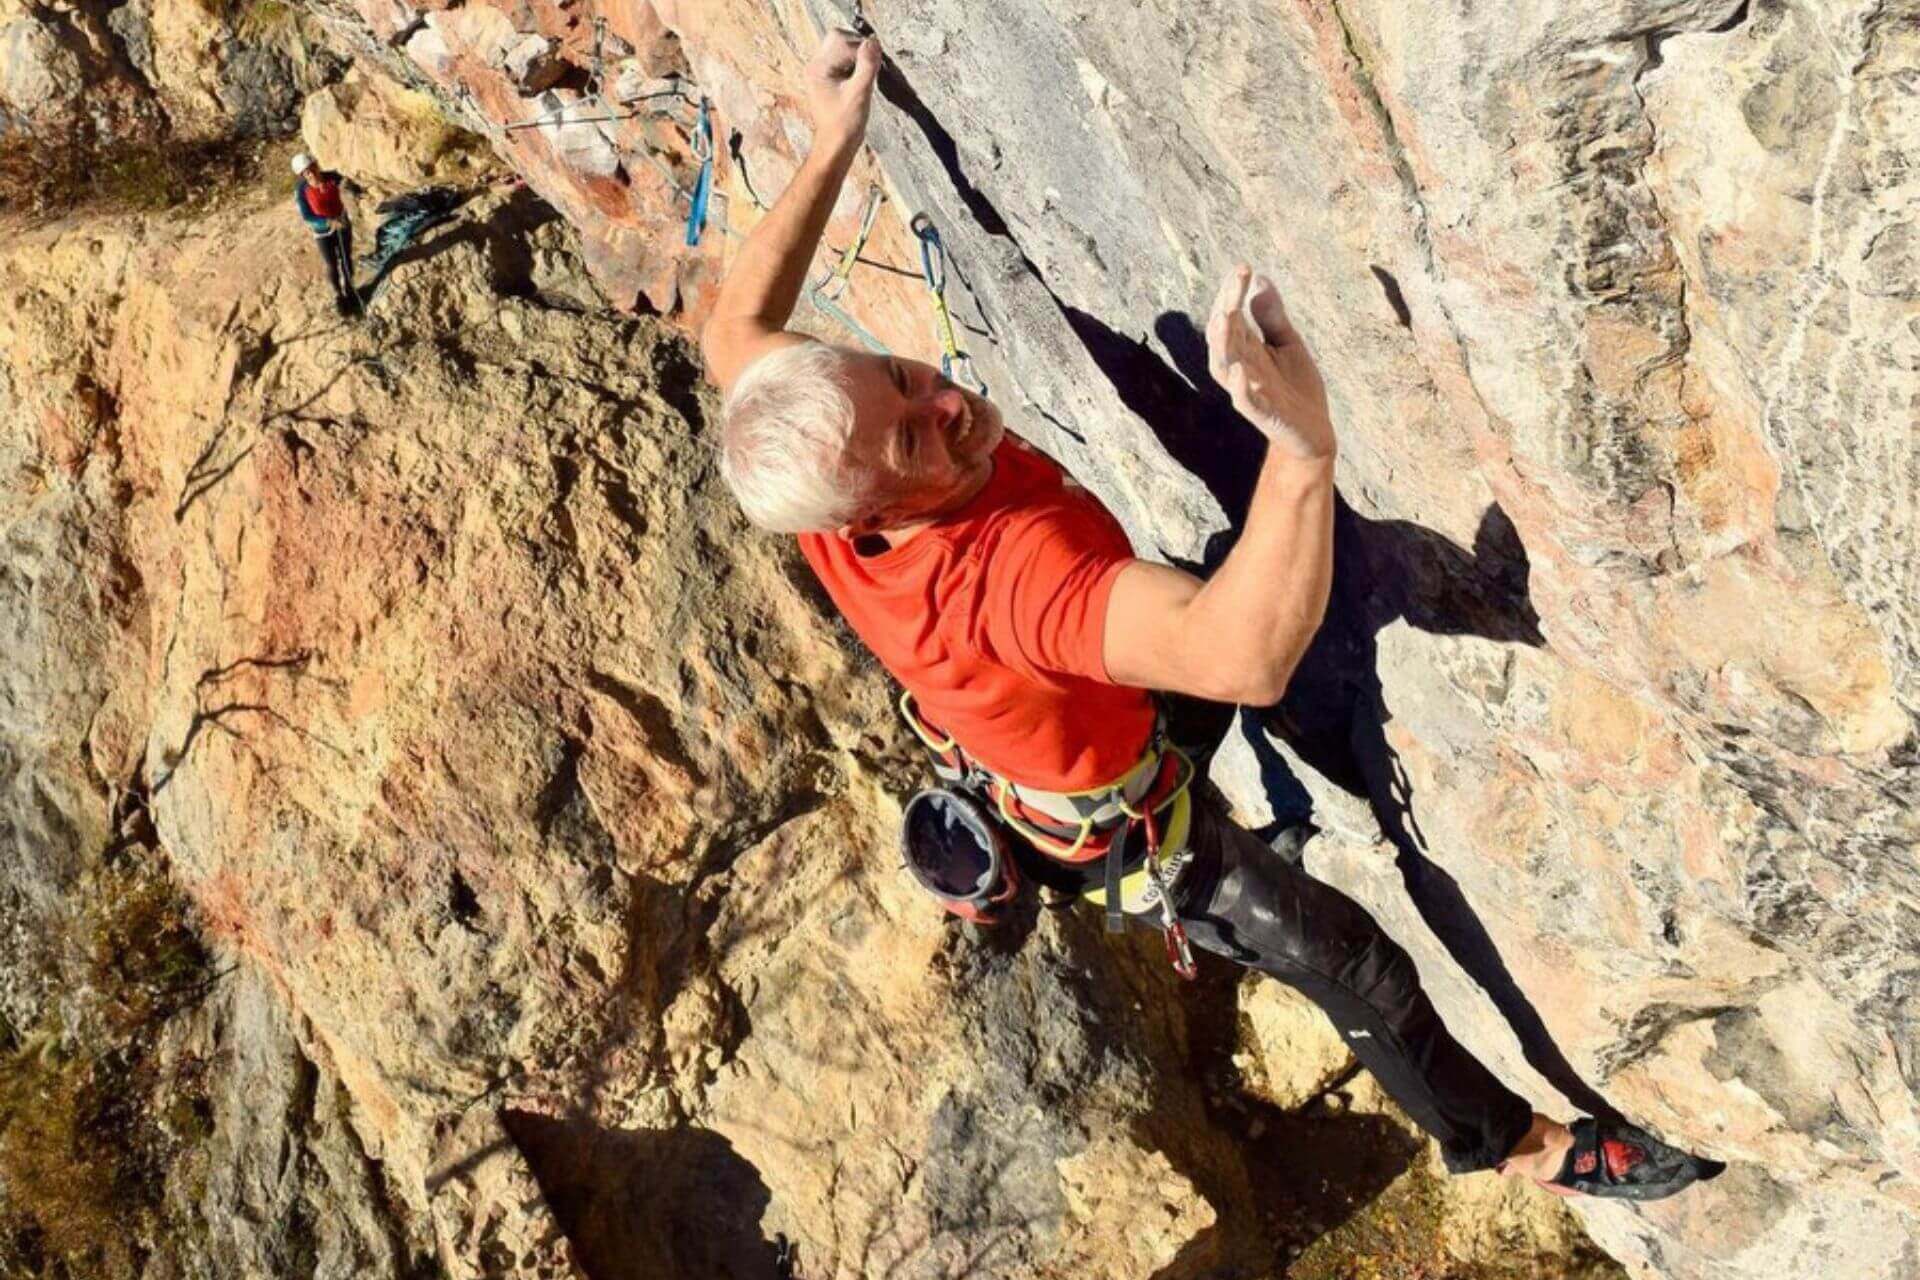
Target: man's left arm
(760, 292)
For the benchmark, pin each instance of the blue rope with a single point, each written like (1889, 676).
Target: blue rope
(703, 186)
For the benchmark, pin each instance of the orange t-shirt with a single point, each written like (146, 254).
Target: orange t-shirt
(994, 619)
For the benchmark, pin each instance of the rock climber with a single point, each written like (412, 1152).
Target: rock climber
(1010, 605)
(320, 195)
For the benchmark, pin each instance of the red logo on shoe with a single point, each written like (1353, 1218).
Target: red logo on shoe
(1585, 1163)
(1621, 1157)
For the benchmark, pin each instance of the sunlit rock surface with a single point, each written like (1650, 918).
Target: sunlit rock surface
(551, 800)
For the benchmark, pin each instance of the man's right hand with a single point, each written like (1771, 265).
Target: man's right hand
(1267, 369)
(840, 88)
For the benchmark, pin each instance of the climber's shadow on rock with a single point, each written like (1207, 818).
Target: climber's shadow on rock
(1335, 713)
(650, 1202)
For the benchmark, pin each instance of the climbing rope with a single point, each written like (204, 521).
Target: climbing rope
(699, 133)
(955, 363)
(702, 196)
(596, 81)
(827, 291)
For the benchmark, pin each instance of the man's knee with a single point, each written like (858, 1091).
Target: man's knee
(1317, 929)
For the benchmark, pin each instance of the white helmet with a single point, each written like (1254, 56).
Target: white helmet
(302, 162)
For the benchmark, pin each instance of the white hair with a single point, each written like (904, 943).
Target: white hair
(783, 450)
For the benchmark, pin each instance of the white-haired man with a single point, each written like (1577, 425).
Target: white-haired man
(1010, 605)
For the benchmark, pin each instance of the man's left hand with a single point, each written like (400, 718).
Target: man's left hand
(840, 88)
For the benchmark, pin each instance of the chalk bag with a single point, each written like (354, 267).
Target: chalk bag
(958, 854)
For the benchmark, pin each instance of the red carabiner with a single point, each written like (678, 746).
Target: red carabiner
(1179, 953)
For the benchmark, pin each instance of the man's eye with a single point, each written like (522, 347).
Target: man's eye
(899, 373)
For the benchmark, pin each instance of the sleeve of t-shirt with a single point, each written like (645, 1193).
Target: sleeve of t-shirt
(1048, 583)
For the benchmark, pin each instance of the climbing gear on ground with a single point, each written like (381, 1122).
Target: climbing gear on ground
(703, 185)
(955, 363)
(406, 218)
(1620, 1161)
(827, 291)
(1064, 828)
(959, 854)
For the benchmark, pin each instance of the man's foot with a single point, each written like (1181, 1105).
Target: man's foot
(1620, 1161)
(347, 304)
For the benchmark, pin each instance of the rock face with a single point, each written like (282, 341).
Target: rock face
(388, 137)
(141, 70)
(1617, 306)
(538, 818)
(555, 807)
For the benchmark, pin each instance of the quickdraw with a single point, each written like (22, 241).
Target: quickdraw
(703, 185)
(827, 291)
(597, 92)
(699, 132)
(955, 363)
(1179, 950)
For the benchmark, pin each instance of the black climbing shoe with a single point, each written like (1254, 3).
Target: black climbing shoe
(1620, 1161)
(347, 305)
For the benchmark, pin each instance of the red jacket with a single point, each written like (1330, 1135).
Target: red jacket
(320, 201)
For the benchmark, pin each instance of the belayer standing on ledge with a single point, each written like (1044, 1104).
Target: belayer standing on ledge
(323, 205)
(1009, 603)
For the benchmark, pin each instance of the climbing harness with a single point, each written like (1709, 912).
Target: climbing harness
(826, 292)
(703, 185)
(1068, 827)
(958, 854)
(955, 363)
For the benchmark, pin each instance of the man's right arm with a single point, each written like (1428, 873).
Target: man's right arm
(1238, 636)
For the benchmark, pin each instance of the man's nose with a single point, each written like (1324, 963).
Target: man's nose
(942, 408)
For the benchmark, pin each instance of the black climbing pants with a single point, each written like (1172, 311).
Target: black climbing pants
(1243, 900)
(336, 250)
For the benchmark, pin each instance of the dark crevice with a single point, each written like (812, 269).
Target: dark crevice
(462, 902)
(1654, 43)
(562, 788)
(1060, 425)
(895, 88)
(1735, 20)
(1395, 299)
